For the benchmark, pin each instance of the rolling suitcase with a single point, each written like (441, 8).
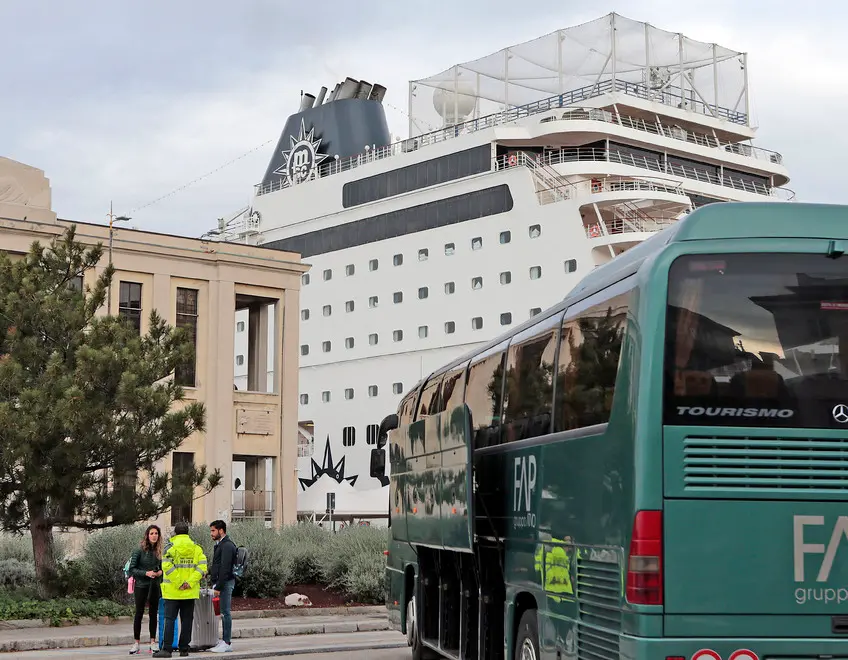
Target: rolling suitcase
(204, 629)
(176, 639)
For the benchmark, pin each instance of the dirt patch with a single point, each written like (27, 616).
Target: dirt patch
(320, 597)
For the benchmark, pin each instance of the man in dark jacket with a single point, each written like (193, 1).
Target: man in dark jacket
(223, 581)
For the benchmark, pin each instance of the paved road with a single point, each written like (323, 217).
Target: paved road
(380, 645)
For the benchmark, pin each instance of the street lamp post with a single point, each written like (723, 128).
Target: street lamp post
(112, 219)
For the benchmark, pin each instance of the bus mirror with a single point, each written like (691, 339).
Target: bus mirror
(378, 463)
(390, 423)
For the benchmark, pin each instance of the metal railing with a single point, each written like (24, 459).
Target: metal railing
(629, 225)
(250, 503)
(671, 96)
(656, 165)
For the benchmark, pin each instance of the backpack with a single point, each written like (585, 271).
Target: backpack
(241, 562)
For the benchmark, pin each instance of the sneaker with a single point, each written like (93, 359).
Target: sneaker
(154, 647)
(222, 647)
(134, 648)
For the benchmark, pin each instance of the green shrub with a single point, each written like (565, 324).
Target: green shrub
(302, 544)
(353, 561)
(364, 580)
(267, 574)
(16, 574)
(103, 560)
(20, 547)
(60, 609)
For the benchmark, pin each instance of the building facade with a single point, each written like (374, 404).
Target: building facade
(204, 287)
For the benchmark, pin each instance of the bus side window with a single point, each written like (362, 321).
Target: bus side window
(587, 366)
(529, 388)
(407, 409)
(453, 388)
(430, 398)
(483, 396)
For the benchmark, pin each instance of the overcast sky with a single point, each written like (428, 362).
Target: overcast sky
(130, 100)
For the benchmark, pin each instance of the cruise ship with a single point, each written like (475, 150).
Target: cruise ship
(523, 170)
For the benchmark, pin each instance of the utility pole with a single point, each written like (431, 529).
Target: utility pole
(112, 219)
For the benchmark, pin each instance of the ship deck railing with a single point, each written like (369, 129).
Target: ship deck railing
(569, 102)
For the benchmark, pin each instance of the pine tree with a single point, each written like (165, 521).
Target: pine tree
(86, 404)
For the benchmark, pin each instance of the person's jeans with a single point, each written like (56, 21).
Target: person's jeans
(226, 602)
(186, 611)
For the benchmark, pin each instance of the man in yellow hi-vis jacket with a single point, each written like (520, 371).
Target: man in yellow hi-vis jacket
(183, 565)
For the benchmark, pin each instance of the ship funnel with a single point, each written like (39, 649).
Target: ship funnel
(321, 95)
(348, 89)
(378, 93)
(306, 102)
(363, 90)
(334, 93)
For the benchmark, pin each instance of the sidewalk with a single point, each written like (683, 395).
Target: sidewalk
(256, 626)
(269, 647)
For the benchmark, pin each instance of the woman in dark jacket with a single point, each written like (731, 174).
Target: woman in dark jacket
(146, 568)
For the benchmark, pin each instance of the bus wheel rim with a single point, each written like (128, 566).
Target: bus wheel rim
(410, 622)
(528, 651)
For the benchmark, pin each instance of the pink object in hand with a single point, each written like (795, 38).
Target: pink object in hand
(131, 585)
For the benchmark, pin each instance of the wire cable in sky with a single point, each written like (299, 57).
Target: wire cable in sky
(200, 178)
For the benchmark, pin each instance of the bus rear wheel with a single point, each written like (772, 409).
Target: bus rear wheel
(527, 637)
(419, 651)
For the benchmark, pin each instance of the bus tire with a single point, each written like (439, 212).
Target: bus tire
(527, 637)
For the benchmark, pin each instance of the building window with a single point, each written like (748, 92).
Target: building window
(325, 396)
(535, 231)
(373, 301)
(372, 339)
(534, 311)
(476, 283)
(397, 260)
(450, 249)
(397, 297)
(422, 331)
(187, 319)
(182, 463)
(450, 328)
(304, 279)
(506, 237)
(570, 265)
(397, 335)
(348, 436)
(349, 306)
(477, 243)
(397, 388)
(129, 306)
(328, 275)
(304, 316)
(477, 323)
(423, 254)
(350, 269)
(304, 349)
(304, 399)
(506, 318)
(349, 393)
(535, 272)
(327, 310)
(326, 346)
(239, 360)
(240, 324)
(76, 283)
(506, 277)
(450, 287)
(423, 293)
(349, 342)
(373, 265)
(373, 390)
(372, 432)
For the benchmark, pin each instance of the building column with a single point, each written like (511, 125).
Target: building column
(286, 376)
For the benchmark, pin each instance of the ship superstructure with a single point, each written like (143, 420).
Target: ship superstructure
(523, 170)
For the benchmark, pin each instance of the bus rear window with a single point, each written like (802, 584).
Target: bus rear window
(757, 340)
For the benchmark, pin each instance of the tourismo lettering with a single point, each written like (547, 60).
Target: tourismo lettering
(702, 411)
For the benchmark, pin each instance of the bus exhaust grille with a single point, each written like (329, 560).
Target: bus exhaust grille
(596, 644)
(765, 464)
(599, 589)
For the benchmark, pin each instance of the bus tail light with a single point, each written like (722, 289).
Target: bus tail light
(644, 564)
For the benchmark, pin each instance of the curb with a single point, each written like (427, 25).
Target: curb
(372, 625)
(340, 648)
(364, 610)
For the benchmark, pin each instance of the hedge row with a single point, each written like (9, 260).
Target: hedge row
(350, 561)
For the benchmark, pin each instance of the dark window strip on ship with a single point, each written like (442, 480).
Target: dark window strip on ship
(420, 175)
(441, 213)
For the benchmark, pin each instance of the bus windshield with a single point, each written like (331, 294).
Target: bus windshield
(757, 340)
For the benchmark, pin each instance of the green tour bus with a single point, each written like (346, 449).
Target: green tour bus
(655, 468)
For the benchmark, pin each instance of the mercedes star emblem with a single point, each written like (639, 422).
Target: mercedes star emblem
(840, 413)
